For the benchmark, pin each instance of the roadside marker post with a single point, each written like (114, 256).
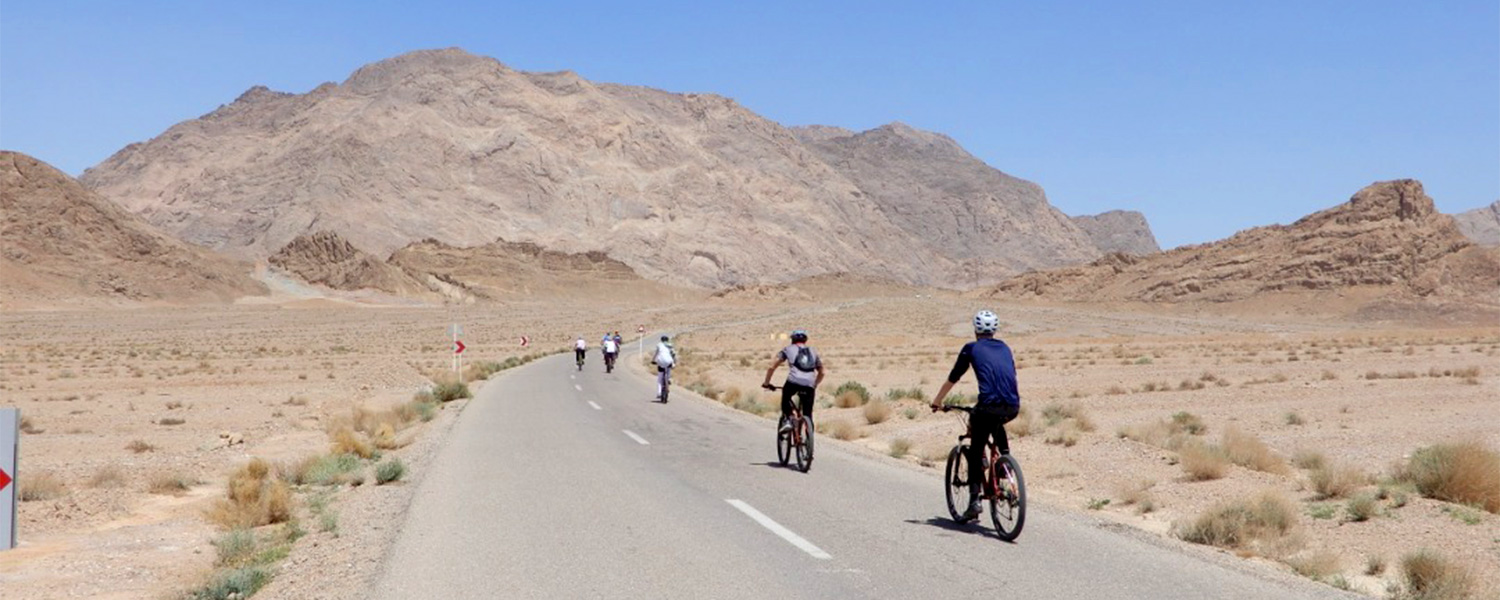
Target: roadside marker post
(10, 441)
(640, 339)
(458, 351)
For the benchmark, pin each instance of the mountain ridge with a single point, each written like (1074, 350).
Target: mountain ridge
(687, 189)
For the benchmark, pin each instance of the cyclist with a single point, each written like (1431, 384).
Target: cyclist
(580, 348)
(666, 358)
(618, 339)
(804, 374)
(999, 401)
(611, 350)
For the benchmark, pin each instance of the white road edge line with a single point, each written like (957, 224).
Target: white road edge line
(596, 406)
(577, 387)
(642, 441)
(777, 529)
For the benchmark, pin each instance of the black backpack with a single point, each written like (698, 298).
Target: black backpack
(805, 360)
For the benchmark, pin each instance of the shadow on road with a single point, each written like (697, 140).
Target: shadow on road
(971, 528)
(776, 465)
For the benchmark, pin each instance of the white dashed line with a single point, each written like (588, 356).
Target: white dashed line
(776, 528)
(596, 406)
(577, 387)
(642, 441)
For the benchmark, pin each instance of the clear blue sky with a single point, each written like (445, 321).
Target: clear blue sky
(1208, 116)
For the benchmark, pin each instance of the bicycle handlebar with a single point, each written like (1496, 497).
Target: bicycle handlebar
(948, 407)
(767, 386)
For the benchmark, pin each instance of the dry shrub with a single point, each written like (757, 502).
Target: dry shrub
(169, 482)
(1242, 524)
(40, 486)
(1431, 576)
(1306, 458)
(845, 430)
(1248, 451)
(1315, 565)
(900, 447)
(847, 399)
(1202, 461)
(108, 476)
(1066, 435)
(850, 394)
(1336, 480)
(731, 396)
(1138, 494)
(385, 437)
(1023, 425)
(139, 446)
(254, 498)
(1055, 414)
(1361, 507)
(1465, 473)
(877, 411)
(346, 441)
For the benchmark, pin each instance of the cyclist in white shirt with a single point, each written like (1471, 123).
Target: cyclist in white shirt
(666, 358)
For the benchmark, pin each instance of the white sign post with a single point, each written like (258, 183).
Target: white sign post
(10, 436)
(640, 340)
(458, 356)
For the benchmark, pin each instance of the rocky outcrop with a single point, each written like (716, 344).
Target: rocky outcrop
(326, 259)
(1119, 231)
(1388, 237)
(502, 269)
(683, 188)
(60, 241)
(1481, 225)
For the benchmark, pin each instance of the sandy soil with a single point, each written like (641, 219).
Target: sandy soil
(276, 376)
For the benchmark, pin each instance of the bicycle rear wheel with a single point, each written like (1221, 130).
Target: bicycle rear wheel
(783, 442)
(804, 449)
(956, 482)
(1008, 504)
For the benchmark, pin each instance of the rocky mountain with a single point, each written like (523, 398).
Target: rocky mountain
(61, 242)
(326, 259)
(1482, 225)
(681, 188)
(1123, 231)
(1387, 238)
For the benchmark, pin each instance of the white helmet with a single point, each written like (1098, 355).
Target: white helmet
(986, 322)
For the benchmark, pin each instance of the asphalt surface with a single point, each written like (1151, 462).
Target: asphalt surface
(539, 494)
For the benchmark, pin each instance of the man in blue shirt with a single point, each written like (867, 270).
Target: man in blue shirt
(999, 401)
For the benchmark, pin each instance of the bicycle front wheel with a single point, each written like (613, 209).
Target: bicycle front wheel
(956, 482)
(1008, 504)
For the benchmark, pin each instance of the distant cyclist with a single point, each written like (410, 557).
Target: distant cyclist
(611, 350)
(580, 348)
(666, 358)
(804, 374)
(999, 401)
(618, 339)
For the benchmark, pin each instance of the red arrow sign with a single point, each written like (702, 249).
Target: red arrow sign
(458, 347)
(4, 479)
(525, 340)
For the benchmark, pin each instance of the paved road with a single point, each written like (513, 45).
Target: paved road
(545, 489)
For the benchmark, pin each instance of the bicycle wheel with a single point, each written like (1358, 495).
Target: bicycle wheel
(804, 448)
(1008, 504)
(666, 388)
(956, 482)
(783, 442)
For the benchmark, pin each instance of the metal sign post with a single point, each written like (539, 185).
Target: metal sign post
(10, 438)
(640, 339)
(458, 351)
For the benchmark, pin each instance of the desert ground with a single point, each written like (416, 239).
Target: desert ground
(140, 423)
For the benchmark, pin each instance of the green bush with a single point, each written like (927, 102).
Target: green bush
(854, 387)
(236, 583)
(388, 471)
(449, 391)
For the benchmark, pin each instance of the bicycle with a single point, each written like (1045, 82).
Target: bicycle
(796, 440)
(1004, 487)
(609, 362)
(664, 380)
(580, 355)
